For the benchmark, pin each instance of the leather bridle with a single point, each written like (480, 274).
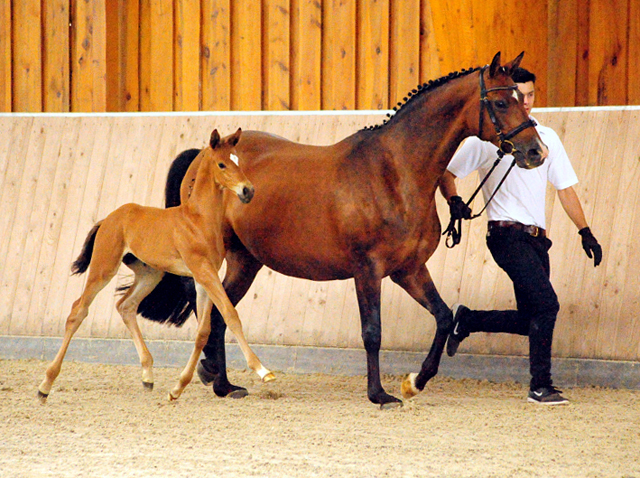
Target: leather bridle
(504, 143)
(505, 146)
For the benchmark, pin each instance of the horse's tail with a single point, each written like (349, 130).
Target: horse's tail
(174, 298)
(81, 264)
(177, 171)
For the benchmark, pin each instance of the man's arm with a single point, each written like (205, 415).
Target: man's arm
(457, 207)
(448, 185)
(573, 208)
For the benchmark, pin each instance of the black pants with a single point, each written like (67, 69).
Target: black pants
(525, 259)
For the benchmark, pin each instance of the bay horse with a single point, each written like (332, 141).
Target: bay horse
(185, 240)
(364, 208)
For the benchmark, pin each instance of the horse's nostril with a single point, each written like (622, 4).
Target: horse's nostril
(247, 193)
(534, 157)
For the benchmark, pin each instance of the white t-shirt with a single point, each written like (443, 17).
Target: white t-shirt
(522, 196)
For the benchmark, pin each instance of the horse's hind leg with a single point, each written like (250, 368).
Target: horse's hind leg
(420, 286)
(242, 268)
(146, 279)
(99, 277)
(214, 292)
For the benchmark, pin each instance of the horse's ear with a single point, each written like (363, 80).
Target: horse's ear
(235, 137)
(512, 65)
(215, 139)
(495, 64)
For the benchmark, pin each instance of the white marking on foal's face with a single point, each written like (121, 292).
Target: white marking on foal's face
(234, 158)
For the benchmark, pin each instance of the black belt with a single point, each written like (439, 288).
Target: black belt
(534, 231)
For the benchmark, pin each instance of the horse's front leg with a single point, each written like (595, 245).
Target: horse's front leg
(420, 286)
(368, 291)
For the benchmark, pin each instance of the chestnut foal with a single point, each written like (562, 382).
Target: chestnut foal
(185, 240)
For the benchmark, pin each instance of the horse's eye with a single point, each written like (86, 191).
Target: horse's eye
(222, 165)
(501, 104)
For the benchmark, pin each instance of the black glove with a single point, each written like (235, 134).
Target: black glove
(458, 209)
(590, 245)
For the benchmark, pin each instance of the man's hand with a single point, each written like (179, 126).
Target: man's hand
(458, 209)
(591, 246)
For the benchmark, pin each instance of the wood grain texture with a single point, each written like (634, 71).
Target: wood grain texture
(221, 55)
(216, 55)
(6, 56)
(27, 56)
(59, 175)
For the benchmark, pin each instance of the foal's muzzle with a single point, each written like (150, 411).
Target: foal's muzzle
(246, 193)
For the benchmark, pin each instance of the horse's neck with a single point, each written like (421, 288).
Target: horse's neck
(430, 130)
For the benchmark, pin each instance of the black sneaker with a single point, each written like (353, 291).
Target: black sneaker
(458, 333)
(547, 396)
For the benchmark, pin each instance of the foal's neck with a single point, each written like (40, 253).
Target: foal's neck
(206, 195)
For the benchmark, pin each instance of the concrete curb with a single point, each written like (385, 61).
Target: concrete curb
(293, 359)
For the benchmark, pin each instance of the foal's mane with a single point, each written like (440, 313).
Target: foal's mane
(419, 91)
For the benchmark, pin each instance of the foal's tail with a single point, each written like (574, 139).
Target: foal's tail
(81, 264)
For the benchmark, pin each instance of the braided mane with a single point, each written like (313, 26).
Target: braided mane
(419, 91)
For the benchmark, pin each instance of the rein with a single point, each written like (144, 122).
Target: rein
(505, 146)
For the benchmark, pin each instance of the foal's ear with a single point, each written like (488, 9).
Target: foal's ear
(215, 139)
(235, 137)
(513, 64)
(495, 64)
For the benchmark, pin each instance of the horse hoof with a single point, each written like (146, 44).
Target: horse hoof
(391, 405)
(172, 398)
(206, 377)
(240, 393)
(42, 397)
(270, 377)
(148, 385)
(408, 387)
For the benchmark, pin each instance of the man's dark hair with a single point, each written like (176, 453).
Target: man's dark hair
(520, 75)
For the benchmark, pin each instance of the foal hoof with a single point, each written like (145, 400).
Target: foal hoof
(270, 377)
(147, 385)
(42, 397)
(171, 398)
(408, 387)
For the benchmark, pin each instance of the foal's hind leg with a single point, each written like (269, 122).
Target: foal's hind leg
(146, 279)
(99, 276)
(420, 286)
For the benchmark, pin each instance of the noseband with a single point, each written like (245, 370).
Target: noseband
(505, 146)
(504, 143)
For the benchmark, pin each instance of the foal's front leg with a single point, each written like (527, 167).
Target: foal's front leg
(420, 286)
(209, 289)
(218, 296)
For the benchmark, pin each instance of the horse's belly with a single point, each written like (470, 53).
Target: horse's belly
(295, 253)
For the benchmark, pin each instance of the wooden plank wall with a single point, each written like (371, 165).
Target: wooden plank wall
(58, 175)
(221, 55)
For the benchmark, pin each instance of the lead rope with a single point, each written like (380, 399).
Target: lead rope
(454, 229)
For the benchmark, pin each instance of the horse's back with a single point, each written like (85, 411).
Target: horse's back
(255, 146)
